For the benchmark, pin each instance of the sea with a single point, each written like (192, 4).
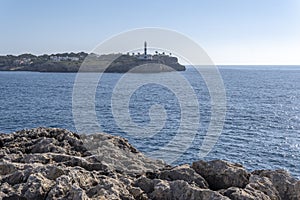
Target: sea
(261, 128)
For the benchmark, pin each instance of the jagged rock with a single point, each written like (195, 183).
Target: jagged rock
(51, 163)
(88, 185)
(263, 184)
(287, 186)
(138, 193)
(43, 140)
(65, 188)
(183, 172)
(146, 184)
(36, 186)
(116, 152)
(177, 189)
(6, 168)
(181, 190)
(258, 188)
(235, 193)
(221, 174)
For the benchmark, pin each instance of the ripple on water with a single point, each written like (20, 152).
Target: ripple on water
(261, 129)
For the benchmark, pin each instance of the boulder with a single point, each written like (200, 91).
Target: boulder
(177, 189)
(263, 184)
(235, 193)
(287, 186)
(181, 190)
(146, 184)
(183, 172)
(258, 188)
(116, 152)
(221, 174)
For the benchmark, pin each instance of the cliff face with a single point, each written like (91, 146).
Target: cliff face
(51, 163)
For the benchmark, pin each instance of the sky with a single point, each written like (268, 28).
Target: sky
(250, 32)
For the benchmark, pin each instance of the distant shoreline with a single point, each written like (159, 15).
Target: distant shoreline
(72, 63)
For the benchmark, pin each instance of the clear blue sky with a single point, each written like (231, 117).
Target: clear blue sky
(231, 31)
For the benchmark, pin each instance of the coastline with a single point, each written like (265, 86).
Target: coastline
(52, 163)
(84, 62)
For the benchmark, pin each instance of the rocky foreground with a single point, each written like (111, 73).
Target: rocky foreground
(51, 163)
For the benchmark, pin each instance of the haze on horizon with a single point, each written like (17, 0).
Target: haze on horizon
(250, 32)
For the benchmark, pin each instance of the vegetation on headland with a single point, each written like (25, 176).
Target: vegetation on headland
(71, 62)
(64, 62)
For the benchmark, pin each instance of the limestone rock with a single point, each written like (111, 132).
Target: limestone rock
(221, 174)
(258, 188)
(183, 172)
(287, 186)
(52, 163)
(181, 190)
(177, 189)
(116, 152)
(235, 193)
(263, 184)
(146, 184)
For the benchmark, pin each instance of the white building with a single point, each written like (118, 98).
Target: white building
(63, 58)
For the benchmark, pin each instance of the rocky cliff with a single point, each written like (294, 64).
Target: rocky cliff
(51, 163)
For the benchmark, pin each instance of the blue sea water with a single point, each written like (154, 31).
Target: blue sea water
(261, 128)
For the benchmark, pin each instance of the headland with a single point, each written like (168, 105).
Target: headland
(111, 63)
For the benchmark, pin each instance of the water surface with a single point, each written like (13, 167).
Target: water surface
(261, 130)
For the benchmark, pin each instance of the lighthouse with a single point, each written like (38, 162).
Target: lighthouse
(145, 49)
(144, 56)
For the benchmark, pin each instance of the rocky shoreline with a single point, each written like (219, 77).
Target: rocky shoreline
(52, 163)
